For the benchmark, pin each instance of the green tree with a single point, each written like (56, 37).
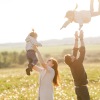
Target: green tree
(22, 57)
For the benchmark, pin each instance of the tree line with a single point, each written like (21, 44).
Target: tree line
(9, 58)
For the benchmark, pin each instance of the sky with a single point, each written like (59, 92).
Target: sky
(18, 17)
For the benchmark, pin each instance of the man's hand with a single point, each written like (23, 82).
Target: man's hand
(81, 35)
(76, 35)
(75, 44)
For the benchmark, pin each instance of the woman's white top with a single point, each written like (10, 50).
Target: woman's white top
(46, 83)
(82, 17)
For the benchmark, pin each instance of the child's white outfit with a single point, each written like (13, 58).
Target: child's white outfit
(82, 17)
(31, 55)
(30, 41)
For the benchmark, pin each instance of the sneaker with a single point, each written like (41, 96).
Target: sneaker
(28, 71)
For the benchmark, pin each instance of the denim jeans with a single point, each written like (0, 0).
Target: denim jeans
(82, 93)
(31, 56)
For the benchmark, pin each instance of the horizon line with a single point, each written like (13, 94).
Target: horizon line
(47, 40)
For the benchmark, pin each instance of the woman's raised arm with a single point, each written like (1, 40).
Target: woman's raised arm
(40, 58)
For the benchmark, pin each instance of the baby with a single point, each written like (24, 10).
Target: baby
(81, 17)
(31, 55)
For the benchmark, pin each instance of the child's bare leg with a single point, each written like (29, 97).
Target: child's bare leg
(93, 14)
(91, 6)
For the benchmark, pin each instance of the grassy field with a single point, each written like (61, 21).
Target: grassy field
(47, 49)
(16, 85)
(92, 51)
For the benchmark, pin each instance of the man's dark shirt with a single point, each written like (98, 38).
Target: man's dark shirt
(77, 68)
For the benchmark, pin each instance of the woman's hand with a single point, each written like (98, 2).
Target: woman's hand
(35, 48)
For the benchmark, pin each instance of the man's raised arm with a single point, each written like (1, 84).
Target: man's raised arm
(82, 48)
(75, 49)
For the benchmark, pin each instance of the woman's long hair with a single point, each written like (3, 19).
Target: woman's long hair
(56, 77)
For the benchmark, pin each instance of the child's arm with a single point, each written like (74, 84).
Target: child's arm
(38, 44)
(65, 24)
(35, 42)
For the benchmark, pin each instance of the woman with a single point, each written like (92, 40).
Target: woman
(48, 74)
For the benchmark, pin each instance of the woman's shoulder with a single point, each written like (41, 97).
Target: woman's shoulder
(50, 69)
(47, 68)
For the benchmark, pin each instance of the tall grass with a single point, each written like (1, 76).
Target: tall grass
(16, 85)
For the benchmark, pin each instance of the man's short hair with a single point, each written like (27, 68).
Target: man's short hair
(68, 59)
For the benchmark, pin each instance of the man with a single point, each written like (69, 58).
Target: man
(77, 68)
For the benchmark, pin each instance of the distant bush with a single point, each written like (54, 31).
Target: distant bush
(60, 60)
(47, 55)
(14, 59)
(22, 57)
(92, 57)
(9, 58)
(66, 51)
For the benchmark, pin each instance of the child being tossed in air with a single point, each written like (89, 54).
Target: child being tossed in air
(81, 17)
(31, 40)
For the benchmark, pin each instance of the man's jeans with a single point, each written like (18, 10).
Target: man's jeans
(82, 93)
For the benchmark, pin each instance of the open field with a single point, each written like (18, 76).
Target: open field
(15, 85)
(91, 50)
(47, 49)
(17, 55)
